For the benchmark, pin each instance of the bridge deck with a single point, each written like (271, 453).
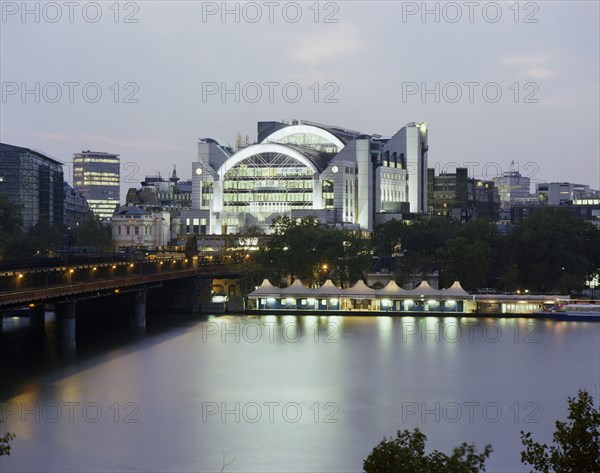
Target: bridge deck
(96, 284)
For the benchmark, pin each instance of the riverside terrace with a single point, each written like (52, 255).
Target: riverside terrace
(392, 299)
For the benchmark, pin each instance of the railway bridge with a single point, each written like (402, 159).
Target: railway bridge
(178, 283)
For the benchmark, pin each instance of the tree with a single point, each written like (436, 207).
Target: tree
(551, 243)
(466, 261)
(415, 245)
(44, 238)
(348, 255)
(304, 249)
(92, 232)
(11, 223)
(11, 216)
(577, 442)
(406, 454)
(5, 443)
(570, 284)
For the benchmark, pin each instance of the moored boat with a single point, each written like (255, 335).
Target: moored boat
(588, 312)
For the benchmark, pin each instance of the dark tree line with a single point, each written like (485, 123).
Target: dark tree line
(45, 239)
(553, 250)
(313, 253)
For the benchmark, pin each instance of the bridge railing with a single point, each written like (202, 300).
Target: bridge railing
(35, 278)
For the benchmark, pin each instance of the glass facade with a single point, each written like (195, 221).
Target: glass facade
(34, 181)
(97, 176)
(267, 183)
(309, 140)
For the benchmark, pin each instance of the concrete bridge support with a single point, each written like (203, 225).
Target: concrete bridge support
(138, 316)
(185, 296)
(37, 315)
(66, 324)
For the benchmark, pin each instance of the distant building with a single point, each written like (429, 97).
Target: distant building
(97, 176)
(138, 229)
(561, 193)
(33, 180)
(512, 188)
(76, 208)
(460, 197)
(585, 209)
(343, 177)
(163, 194)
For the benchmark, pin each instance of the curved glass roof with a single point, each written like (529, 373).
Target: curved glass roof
(308, 157)
(307, 136)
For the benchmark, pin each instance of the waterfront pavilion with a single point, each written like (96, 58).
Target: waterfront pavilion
(360, 297)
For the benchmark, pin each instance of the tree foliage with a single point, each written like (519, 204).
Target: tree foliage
(551, 250)
(5, 443)
(406, 454)
(92, 232)
(11, 222)
(552, 243)
(304, 249)
(576, 446)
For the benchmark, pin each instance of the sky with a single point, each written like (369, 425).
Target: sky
(503, 85)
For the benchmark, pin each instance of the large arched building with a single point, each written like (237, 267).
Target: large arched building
(344, 177)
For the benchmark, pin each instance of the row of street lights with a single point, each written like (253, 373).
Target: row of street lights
(91, 271)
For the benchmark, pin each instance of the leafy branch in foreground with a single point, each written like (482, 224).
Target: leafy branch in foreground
(406, 454)
(576, 446)
(5, 443)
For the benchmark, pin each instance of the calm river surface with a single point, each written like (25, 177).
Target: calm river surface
(284, 394)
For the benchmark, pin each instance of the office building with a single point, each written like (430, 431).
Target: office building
(561, 193)
(33, 180)
(344, 177)
(97, 176)
(76, 208)
(460, 197)
(512, 188)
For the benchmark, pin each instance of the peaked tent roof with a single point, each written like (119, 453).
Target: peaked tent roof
(392, 290)
(328, 289)
(359, 289)
(456, 290)
(424, 289)
(296, 289)
(266, 289)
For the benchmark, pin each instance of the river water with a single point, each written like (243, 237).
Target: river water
(284, 394)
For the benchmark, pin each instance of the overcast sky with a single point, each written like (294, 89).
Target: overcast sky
(360, 65)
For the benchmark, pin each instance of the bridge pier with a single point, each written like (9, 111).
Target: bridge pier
(37, 315)
(66, 324)
(138, 316)
(184, 296)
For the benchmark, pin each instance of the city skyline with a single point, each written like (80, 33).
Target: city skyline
(184, 72)
(135, 179)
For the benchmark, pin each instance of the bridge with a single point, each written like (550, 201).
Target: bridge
(63, 286)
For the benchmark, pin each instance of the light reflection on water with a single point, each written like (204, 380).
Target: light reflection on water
(288, 393)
